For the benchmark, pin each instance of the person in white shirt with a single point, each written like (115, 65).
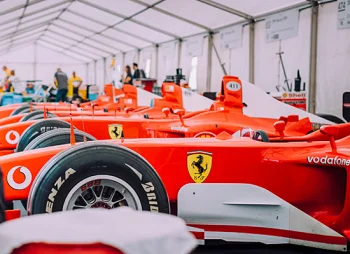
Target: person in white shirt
(18, 86)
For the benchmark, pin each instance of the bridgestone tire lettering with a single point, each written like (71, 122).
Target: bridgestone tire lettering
(94, 159)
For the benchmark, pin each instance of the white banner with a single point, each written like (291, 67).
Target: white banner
(282, 25)
(231, 37)
(343, 14)
(194, 46)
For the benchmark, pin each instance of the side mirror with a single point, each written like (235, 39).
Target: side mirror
(284, 119)
(280, 126)
(180, 112)
(128, 109)
(290, 118)
(330, 131)
(166, 111)
(293, 118)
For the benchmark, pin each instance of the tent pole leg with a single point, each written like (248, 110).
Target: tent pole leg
(209, 69)
(251, 51)
(313, 58)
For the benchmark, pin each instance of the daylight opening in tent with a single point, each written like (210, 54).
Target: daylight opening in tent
(193, 73)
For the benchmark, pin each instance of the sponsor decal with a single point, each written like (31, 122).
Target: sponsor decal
(199, 165)
(115, 131)
(233, 86)
(152, 198)
(58, 184)
(205, 135)
(295, 95)
(284, 95)
(169, 88)
(47, 128)
(187, 93)
(325, 160)
(179, 128)
(27, 178)
(12, 137)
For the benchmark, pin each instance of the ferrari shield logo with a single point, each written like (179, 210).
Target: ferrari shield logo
(115, 131)
(199, 165)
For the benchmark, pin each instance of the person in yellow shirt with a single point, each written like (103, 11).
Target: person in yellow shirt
(7, 76)
(73, 85)
(7, 71)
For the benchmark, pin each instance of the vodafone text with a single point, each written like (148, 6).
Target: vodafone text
(325, 160)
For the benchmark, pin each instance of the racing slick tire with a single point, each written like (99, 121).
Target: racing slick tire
(37, 129)
(97, 175)
(331, 118)
(57, 137)
(35, 115)
(54, 138)
(262, 134)
(2, 199)
(21, 110)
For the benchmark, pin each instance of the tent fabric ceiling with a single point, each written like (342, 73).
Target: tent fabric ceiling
(89, 30)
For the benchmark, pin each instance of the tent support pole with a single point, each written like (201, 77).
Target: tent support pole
(251, 51)
(209, 64)
(313, 58)
(156, 61)
(35, 61)
(104, 71)
(95, 76)
(87, 81)
(138, 56)
(179, 53)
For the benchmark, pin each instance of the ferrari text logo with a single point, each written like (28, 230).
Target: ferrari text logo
(199, 165)
(115, 131)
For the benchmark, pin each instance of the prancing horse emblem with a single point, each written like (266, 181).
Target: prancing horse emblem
(115, 131)
(199, 165)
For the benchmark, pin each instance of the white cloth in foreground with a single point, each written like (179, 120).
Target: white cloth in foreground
(130, 231)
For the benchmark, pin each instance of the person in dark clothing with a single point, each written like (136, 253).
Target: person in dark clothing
(128, 78)
(138, 73)
(61, 81)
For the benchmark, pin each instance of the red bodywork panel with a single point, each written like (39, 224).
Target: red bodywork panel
(285, 169)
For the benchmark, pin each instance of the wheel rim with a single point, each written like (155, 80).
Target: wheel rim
(102, 191)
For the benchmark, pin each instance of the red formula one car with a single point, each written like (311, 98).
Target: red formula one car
(225, 115)
(231, 189)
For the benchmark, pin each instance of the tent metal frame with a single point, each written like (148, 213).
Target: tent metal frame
(50, 25)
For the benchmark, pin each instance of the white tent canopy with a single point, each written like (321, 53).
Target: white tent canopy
(106, 27)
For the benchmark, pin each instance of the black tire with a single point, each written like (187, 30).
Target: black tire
(37, 129)
(331, 118)
(21, 110)
(35, 115)
(262, 134)
(57, 137)
(2, 199)
(95, 159)
(54, 138)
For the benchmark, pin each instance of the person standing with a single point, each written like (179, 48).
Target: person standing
(61, 81)
(7, 72)
(5, 84)
(138, 73)
(18, 86)
(128, 76)
(73, 85)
